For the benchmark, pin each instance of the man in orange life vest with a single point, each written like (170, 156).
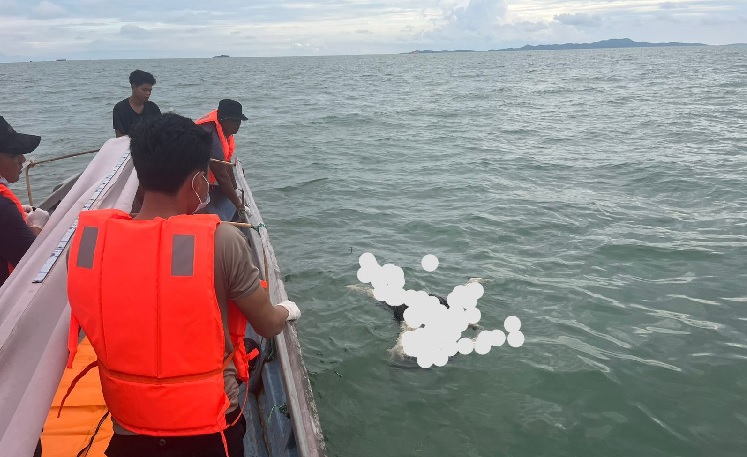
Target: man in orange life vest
(223, 124)
(164, 299)
(19, 224)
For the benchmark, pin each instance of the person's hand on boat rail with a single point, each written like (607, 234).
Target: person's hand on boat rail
(293, 311)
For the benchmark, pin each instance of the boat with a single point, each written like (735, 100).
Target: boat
(222, 56)
(280, 411)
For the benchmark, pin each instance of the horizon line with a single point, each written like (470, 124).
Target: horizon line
(63, 59)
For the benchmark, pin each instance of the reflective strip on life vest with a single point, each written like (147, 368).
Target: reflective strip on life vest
(87, 246)
(183, 255)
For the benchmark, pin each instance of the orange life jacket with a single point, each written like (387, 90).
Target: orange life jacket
(144, 294)
(228, 143)
(7, 193)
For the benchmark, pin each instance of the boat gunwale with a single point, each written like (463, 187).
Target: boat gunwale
(303, 412)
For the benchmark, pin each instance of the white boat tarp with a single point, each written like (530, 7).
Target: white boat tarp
(34, 316)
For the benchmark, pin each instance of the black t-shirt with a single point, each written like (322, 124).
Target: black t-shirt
(125, 118)
(16, 237)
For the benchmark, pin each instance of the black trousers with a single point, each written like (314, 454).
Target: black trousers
(182, 446)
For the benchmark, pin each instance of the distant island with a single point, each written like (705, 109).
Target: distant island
(220, 56)
(614, 43)
(604, 44)
(428, 51)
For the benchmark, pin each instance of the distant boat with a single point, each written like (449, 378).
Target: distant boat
(61, 60)
(220, 56)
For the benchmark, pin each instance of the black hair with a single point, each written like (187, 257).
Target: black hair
(140, 77)
(168, 149)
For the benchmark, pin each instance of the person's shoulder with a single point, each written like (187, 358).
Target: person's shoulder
(230, 244)
(8, 209)
(227, 233)
(122, 105)
(152, 106)
(5, 201)
(208, 127)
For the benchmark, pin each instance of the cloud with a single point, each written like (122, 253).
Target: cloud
(48, 10)
(36, 29)
(478, 15)
(579, 19)
(10, 8)
(133, 31)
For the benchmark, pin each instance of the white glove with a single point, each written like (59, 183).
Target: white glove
(293, 311)
(37, 218)
(27, 208)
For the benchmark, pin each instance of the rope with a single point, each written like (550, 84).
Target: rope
(223, 162)
(34, 163)
(28, 187)
(282, 408)
(251, 226)
(271, 411)
(84, 452)
(257, 227)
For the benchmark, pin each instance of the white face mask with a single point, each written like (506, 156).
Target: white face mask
(202, 204)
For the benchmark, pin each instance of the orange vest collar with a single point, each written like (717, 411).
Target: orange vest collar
(227, 143)
(7, 193)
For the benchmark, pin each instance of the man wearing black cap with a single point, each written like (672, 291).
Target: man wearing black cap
(19, 224)
(223, 124)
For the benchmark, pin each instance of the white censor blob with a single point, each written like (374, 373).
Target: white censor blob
(512, 324)
(434, 332)
(465, 346)
(515, 339)
(498, 338)
(430, 263)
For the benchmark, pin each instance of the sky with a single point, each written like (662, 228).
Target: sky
(104, 29)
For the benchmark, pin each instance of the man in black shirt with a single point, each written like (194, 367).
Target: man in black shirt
(136, 107)
(19, 224)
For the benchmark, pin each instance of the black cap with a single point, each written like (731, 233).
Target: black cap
(230, 109)
(12, 142)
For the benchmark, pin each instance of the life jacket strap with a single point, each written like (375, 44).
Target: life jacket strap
(251, 356)
(72, 340)
(75, 381)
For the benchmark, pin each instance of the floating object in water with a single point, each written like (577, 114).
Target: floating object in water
(432, 326)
